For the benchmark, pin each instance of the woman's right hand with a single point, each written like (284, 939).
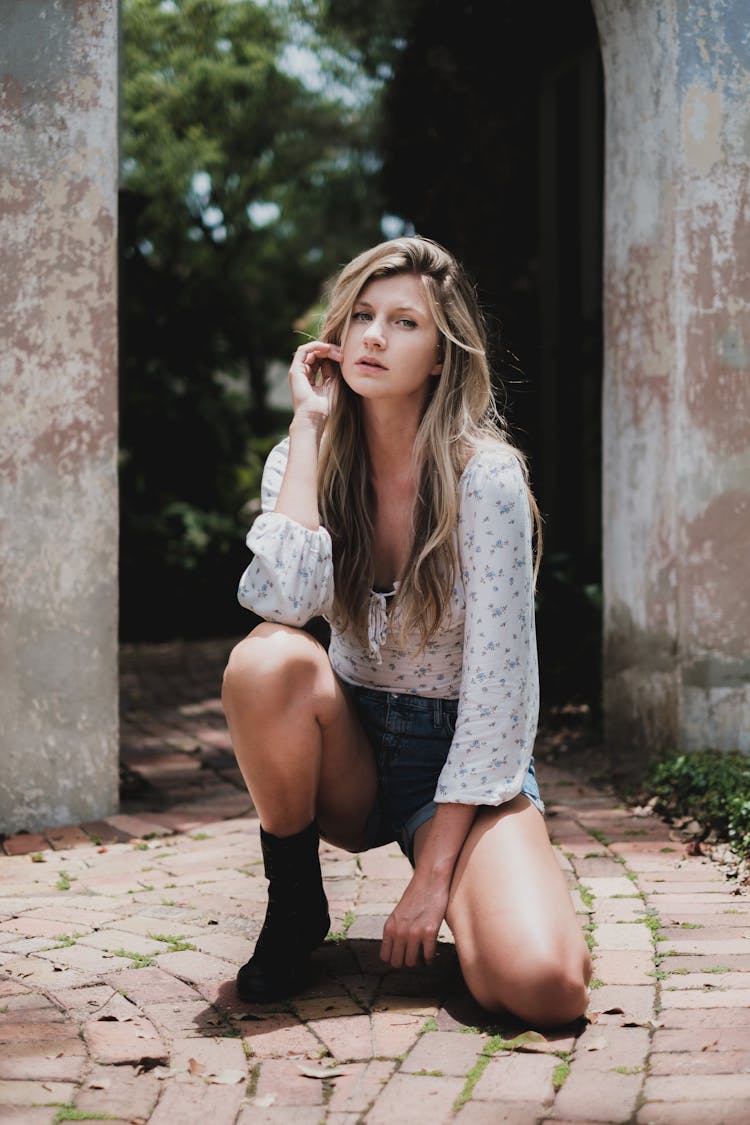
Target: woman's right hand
(313, 378)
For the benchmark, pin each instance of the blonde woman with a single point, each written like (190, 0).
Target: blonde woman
(398, 509)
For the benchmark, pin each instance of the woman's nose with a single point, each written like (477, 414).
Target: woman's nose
(374, 333)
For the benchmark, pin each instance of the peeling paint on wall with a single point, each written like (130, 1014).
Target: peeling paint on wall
(676, 487)
(717, 600)
(701, 128)
(58, 431)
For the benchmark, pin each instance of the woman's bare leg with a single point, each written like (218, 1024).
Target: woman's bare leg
(519, 942)
(309, 769)
(296, 738)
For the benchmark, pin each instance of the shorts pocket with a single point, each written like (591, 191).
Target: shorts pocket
(450, 715)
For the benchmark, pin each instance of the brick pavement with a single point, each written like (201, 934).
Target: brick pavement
(119, 941)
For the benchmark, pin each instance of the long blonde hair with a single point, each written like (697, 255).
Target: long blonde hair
(460, 415)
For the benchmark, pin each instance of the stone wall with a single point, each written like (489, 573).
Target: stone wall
(676, 415)
(58, 427)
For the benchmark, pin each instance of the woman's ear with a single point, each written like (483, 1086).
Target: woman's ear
(437, 369)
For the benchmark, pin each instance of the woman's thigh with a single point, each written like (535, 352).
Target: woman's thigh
(519, 942)
(348, 785)
(294, 729)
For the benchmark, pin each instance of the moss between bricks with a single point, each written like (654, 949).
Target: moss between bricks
(491, 1048)
(560, 1073)
(67, 939)
(176, 942)
(340, 935)
(497, 1043)
(70, 1113)
(140, 960)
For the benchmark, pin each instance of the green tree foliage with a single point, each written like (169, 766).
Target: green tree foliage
(363, 37)
(244, 187)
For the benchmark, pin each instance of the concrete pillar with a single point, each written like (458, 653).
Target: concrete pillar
(676, 415)
(58, 413)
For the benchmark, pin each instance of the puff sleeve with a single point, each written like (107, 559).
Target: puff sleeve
(290, 578)
(499, 694)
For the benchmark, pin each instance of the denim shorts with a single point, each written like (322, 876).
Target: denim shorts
(410, 736)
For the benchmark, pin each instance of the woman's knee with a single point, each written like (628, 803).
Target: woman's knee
(555, 993)
(269, 664)
(546, 990)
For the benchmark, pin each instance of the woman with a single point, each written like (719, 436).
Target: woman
(398, 509)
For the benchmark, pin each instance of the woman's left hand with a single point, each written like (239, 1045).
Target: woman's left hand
(411, 932)
(313, 377)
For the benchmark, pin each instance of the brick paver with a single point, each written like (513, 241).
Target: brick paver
(414, 1099)
(515, 1077)
(723, 1112)
(120, 939)
(587, 1096)
(450, 1052)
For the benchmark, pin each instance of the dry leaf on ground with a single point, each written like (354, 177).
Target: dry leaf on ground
(226, 1077)
(264, 1101)
(319, 1071)
(525, 1041)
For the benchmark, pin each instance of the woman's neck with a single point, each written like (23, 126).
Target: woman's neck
(390, 440)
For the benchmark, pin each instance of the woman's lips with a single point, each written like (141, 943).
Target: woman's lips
(367, 361)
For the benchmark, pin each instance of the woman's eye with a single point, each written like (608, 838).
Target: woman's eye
(408, 323)
(360, 316)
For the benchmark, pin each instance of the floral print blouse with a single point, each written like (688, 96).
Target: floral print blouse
(484, 652)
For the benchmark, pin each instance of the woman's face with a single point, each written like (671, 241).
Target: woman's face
(391, 349)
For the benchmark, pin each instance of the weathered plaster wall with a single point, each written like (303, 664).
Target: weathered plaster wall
(676, 415)
(58, 424)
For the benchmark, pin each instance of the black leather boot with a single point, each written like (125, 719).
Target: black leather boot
(296, 920)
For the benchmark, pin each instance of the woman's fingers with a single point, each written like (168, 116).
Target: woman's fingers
(312, 375)
(392, 945)
(403, 950)
(429, 943)
(409, 942)
(414, 951)
(314, 355)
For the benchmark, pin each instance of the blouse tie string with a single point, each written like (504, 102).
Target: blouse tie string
(377, 622)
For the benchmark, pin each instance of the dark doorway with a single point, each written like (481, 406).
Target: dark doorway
(494, 146)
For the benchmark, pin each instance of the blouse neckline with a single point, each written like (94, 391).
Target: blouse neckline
(385, 593)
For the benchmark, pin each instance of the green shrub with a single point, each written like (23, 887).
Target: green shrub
(712, 786)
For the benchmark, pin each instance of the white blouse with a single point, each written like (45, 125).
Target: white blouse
(484, 652)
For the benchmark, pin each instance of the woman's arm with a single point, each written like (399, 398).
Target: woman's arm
(312, 381)
(412, 928)
(298, 495)
(497, 713)
(290, 579)
(499, 697)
